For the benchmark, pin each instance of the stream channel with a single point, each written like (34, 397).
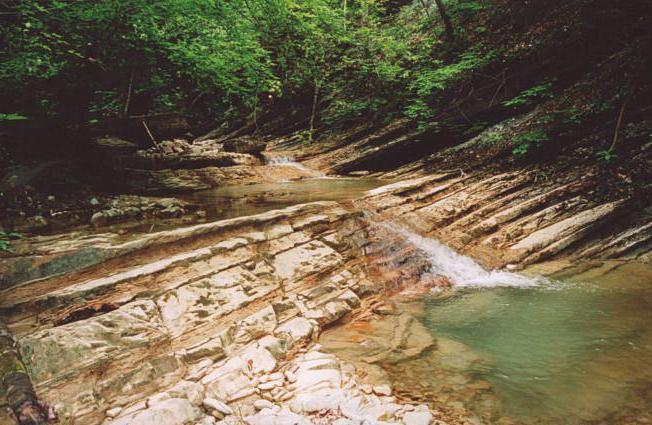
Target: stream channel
(504, 348)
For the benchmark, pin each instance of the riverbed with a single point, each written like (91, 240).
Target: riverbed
(571, 350)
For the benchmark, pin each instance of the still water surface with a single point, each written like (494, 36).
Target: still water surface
(240, 200)
(573, 350)
(579, 353)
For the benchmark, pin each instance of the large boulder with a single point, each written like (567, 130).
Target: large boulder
(245, 145)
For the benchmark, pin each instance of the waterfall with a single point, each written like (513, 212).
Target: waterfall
(461, 270)
(289, 161)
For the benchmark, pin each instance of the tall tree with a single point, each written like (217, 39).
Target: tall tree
(450, 32)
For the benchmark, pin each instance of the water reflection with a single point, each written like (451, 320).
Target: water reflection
(581, 354)
(240, 200)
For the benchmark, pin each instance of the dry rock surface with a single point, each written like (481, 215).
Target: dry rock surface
(513, 220)
(213, 323)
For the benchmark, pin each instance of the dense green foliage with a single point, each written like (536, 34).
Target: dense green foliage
(344, 61)
(5, 240)
(87, 59)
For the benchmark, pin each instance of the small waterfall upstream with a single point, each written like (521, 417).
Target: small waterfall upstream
(462, 271)
(289, 161)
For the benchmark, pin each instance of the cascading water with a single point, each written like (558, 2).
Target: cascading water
(290, 162)
(460, 270)
(509, 352)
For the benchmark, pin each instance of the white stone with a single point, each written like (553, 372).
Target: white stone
(175, 411)
(261, 360)
(343, 421)
(306, 259)
(417, 418)
(281, 417)
(277, 347)
(295, 330)
(214, 404)
(141, 405)
(266, 386)
(193, 391)
(157, 398)
(199, 370)
(113, 412)
(263, 404)
(284, 396)
(310, 403)
(256, 325)
(382, 390)
(64, 348)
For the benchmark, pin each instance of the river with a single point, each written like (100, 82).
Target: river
(512, 349)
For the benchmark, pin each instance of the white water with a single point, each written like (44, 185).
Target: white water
(290, 162)
(462, 271)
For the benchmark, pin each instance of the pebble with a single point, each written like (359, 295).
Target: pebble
(266, 386)
(113, 412)
(94, 201)
(285, 396)
(382, 390)
(263, 404)
(216, 405)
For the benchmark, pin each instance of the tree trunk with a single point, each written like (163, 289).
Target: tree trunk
(425, 8)
(446, 19)
(125, 111)
(15, 384)
(315, 98)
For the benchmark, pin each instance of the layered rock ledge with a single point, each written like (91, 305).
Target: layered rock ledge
(204, 323)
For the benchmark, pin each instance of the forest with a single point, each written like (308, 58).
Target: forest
(325, 212)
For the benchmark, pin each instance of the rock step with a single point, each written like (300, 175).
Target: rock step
(166, 272)
(65, 255)
(499, 219)
(238, 296)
